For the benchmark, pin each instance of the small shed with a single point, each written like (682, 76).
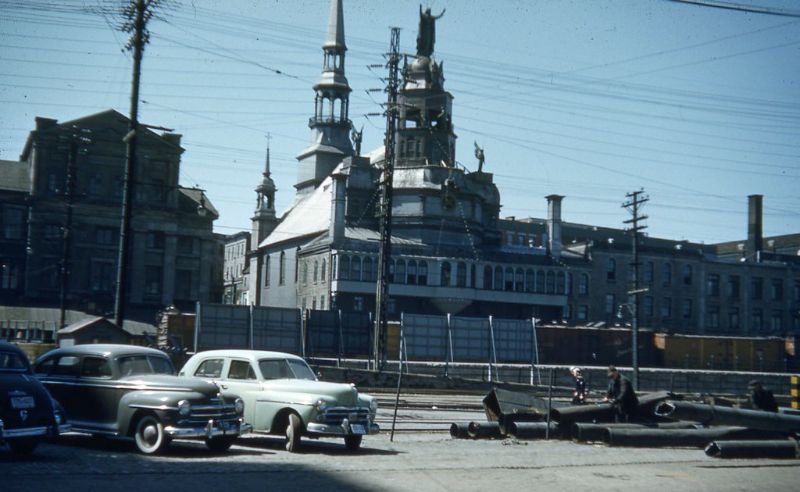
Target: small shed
(92, 330)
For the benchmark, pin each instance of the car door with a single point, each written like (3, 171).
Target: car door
(59, 374)
(100, 393)
(240, 380)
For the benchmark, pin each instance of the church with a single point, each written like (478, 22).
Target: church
(452, 253)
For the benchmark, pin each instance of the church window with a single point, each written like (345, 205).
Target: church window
(323, 270)
(316, 270)
(282, 269)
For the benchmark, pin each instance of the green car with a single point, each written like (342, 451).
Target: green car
(282, 396)
(130, 391)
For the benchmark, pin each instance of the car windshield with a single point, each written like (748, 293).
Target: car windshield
(285, 369)
(11, 362)
(132, 365)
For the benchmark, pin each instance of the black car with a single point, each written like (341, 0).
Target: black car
(27, 412)
(130, 391)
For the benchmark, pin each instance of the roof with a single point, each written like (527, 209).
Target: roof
(107, 349)
(14, 176)
(252, 355)
(198, 197)
(85, 323)
(309, 216)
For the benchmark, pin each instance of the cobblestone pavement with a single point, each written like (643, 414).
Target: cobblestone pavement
(417, 460)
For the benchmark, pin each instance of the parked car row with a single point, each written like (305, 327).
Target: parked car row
(133, 392)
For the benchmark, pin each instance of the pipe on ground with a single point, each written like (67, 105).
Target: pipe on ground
(711, 414)
(784, 448)
(533, 430)
(484, 430)
(584, 432)
(679, 438)
(604, 412)
(459, 430)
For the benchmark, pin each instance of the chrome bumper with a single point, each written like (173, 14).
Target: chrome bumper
(40, 431)
(213, 428)
(339, 430)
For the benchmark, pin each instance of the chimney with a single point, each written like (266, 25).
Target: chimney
(45, 123)
(755, 237)
(554, 225)
(336, 228)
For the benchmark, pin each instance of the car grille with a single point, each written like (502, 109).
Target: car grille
(335, 415)
(215, 409)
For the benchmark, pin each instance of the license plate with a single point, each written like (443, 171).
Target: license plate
(22, 402)
(357, 429)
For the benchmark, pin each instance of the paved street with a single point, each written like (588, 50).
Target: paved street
(418, 460)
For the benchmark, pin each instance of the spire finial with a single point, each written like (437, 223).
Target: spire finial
(266, 171)
(335, 37)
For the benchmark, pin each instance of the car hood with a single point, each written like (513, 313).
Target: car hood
(335, 393)
(166, 382)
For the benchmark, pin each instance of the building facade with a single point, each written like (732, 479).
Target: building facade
(452, 253)
(63, 236)
(235, 285)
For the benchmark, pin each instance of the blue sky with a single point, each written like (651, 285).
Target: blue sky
(699, 106)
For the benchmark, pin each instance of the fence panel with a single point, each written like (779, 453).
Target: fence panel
(356, 334)
(323, 333)
(223, 326)
(470, 339)
(513, 340)
(425, 336)
(277, 329)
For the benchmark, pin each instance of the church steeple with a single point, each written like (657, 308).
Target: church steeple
(330, 124)
(264, 219)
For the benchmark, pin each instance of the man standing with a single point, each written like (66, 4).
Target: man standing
(762, 398)
(621, 395)
(579, 395)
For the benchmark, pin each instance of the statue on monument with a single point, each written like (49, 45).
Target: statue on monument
(480, 156)
(357, 136)
(427, 31)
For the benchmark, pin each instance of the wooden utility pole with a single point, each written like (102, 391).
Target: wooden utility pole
(385, 212)
(635, 200)
(69, 185)
(138, 12)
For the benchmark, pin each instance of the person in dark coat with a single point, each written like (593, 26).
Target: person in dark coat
(579, 395)
(621, 395)
(762, 398)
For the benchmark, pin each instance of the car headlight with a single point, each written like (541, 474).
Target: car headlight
(373, 405)
(184, 408)
(238, 405)
(321, 405)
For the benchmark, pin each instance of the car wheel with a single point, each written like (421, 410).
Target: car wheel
(219, 444)
(23, 446)
(294, 428)
(353, 441)
(150, 436)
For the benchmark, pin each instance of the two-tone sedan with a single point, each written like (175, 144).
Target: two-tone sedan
(282, 396)
(28, 413)
(130, 391)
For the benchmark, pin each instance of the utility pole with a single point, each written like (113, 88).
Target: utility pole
(72, 154)
(635, 200)
(138, 12)
(385, 212)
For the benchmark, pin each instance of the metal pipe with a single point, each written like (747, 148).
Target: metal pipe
(533, 430)
(698, 438)
(459, 430)
(604, 412)
(707, 414)
(583, 431)
(783, 448)
(484, 430)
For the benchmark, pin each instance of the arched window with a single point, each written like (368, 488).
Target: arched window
(551, 282)
(412, 272)
(355, 268)
(367, 270)
(530, 280)
(445, 277)
(611, 270)
(461, 274)
(509, 279)
(487, 277)
(344, 267)
(305, 272)
(316, 270)
(560, 282)
(519, 280)
(498, 278)
(322, 271)
(422, 273)
(282, 269)
(400, 272)
(266, 271)
(687, 274)
(540, 281)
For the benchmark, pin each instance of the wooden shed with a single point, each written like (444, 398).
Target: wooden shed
(92, 330)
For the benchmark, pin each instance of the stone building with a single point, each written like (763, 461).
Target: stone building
(452, 253)
(70, 178)
(235, 285)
